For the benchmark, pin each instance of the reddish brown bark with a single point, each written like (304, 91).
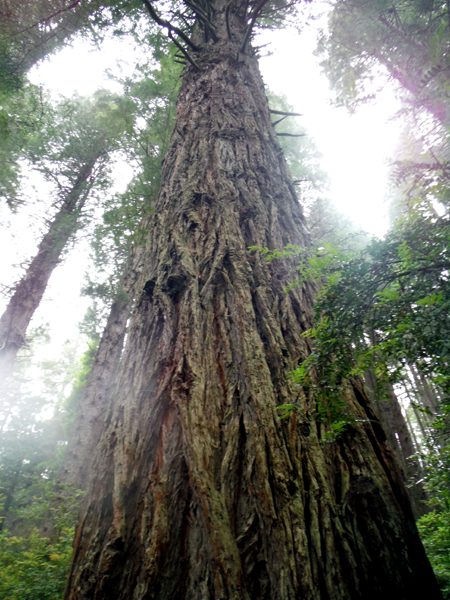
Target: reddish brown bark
(200, 491)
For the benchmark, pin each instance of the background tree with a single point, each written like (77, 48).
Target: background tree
(30, 31)
(74, 157)
(406, 40)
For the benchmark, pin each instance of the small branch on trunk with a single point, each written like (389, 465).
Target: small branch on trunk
(203, 17)
(258, 48)
(270, 11)
(279, 120)
(171, 28)
(184, 51)
(256, 14)
(282, 112)
(291, 134)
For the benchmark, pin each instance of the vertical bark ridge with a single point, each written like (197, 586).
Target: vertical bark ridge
(213, 497)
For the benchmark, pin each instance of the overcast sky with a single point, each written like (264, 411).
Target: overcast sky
(355, 148)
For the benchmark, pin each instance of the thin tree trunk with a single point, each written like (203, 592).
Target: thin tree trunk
(199, 490)
(411, 428)
(424, 390)
(9, 497)
(414, 473)
(384, 412)
(30, 289)
(94, 408)
(418, 418)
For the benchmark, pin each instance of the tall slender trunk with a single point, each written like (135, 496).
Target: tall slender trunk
(8, 498)
(424, 390)
(199, 491)
(411, 429)
(94, 408)
(30, 289)
(385, 414)
(401, 443)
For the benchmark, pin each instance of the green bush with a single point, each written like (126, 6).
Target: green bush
(34, 568)
(434, 529)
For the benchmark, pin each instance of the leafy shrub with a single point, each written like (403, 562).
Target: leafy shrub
(34, 568)
(434, 529)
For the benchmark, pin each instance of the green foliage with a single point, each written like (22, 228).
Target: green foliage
(385, 307)
(32, 422)
(23, 114)
(434, 527)
(34, 568)
(406, 40)
(31, 30)
(83, 131)
(381, 308)
(37, 522)
(151, 91)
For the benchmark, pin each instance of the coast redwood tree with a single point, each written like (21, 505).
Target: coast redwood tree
(199, 490)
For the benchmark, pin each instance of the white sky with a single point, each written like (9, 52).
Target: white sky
(355, 148)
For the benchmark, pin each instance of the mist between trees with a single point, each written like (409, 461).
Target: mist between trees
(258, 406)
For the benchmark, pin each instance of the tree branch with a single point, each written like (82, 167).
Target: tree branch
(227, 18)
(47, 20)
(279, 120)
(256, 14)
(171, 28)
(282, 112)
(184, 51)
(202, 16)
(291, 134)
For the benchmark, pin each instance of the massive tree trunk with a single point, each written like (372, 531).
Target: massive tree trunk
(31, 288)
(200, 491)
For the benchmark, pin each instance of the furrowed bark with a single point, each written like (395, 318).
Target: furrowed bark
(200, 491)
(30, 289)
